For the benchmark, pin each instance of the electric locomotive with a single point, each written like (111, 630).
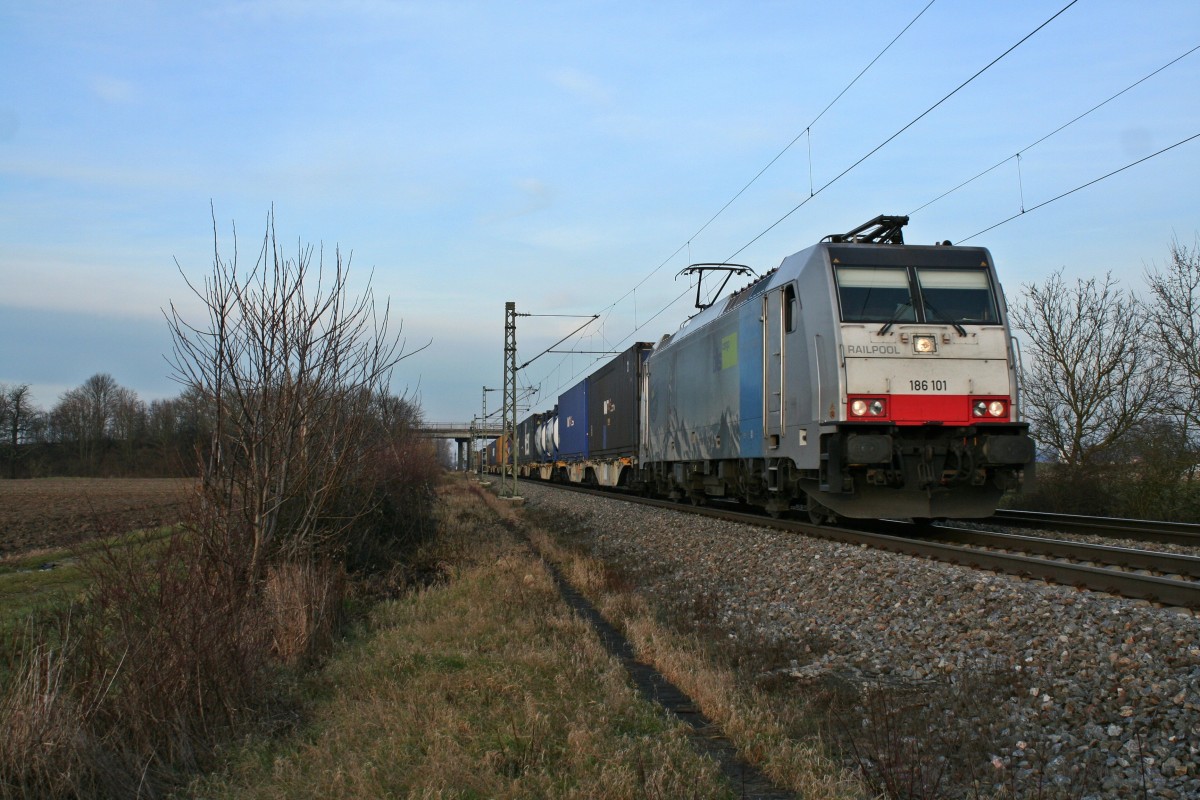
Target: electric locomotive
(862, 378)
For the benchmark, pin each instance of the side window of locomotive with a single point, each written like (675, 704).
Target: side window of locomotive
(790, 307)
(954, 295)
(875, 294)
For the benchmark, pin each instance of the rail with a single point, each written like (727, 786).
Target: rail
(1184, 533)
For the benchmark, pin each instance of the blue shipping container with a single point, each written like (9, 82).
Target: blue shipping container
(573, 423)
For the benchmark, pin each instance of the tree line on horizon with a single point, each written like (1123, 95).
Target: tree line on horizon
(103, 429)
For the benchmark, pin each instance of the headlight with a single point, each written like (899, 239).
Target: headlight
(868, 407)
(924, 344)
(989, 408)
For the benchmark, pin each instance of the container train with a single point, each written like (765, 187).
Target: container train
(862, 378)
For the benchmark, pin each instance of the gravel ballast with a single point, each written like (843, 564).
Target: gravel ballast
(1052, 687)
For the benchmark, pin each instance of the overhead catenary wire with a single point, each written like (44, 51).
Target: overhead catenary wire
(888, 140)
(1057, 130)
(590, 320)
(808, 128)
(1080, 187)
(876, 149)
(914, 121)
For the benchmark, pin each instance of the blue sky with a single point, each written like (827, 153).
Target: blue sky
(556, 154)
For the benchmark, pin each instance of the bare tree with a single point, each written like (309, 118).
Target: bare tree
(19, 414)
(290, 365)
(1091, 376)
(70, 424)
(1175, 323)
(100, 392)
(86, 416)
(127, 425)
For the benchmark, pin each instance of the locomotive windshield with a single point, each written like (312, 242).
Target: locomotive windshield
(886, 294)
(875, 294)
(957, 295)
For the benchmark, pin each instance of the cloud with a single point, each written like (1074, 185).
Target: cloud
(76, 171)
(584, 86)
(60, 348)
(113, 90)
(74, 279)
(533, 195)
(9, 123)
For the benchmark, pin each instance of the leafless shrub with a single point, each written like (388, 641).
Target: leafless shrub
(1174, 314)
(174, 649)
(293, 367)
(893, 748)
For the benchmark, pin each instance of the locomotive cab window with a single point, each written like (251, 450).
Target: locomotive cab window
(875, 294)
(956, 296)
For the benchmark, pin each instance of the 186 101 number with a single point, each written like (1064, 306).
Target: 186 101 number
(927, 385)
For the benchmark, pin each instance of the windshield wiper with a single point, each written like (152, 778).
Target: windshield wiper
(930, 307)
(895, 318)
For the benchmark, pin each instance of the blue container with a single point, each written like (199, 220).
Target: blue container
(573, 423)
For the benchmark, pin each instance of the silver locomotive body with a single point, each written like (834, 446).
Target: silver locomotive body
(860, 378)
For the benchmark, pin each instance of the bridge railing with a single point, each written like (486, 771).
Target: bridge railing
(464, 428)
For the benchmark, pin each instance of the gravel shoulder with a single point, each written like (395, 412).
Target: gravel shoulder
(1027, 684)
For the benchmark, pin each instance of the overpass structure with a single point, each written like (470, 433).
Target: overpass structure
(460, 430)
(462, 433)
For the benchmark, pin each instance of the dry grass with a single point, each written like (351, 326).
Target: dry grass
(303, 605)
(161, 657)
(42, 752)
(823, 738)
(761, 730)
(482, 684)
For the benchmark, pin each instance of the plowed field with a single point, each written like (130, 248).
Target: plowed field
(52, 512)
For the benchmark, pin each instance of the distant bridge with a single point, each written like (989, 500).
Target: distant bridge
(460, 430)
(461, 433)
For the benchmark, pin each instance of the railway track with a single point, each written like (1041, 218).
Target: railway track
(1166, 578)
(1180, 533)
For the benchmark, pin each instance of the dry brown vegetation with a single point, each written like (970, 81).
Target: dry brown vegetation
(821, 737)
(163, 654)
(482, 684)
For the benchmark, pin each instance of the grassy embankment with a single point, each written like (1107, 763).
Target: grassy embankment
(482, 684)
